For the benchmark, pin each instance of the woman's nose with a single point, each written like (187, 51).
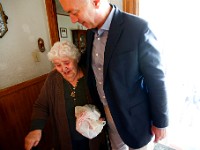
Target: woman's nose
(64, 68)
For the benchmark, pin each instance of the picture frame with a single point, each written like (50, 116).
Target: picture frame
(63, 32)
(3, 21)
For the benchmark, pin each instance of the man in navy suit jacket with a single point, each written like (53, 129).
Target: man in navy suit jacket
(124, 72)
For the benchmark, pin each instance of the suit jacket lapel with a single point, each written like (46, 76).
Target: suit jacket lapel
(113, 37)
(89, 40)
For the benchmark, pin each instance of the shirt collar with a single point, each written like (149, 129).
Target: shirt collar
(106, 25)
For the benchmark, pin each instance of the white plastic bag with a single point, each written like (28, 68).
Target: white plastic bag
(88, 121)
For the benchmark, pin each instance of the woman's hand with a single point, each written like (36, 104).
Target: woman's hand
(32, 139)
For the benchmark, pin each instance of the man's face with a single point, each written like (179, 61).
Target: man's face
(81, 11)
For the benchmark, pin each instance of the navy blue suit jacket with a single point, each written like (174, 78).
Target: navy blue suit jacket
(134, 80)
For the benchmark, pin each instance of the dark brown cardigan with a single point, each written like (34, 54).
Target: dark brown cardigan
(52, 103)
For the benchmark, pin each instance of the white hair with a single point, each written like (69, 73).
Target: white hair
(64, 49)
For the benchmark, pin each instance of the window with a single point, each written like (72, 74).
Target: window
(177, 25)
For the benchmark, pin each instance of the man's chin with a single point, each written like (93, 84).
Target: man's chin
(86, 26)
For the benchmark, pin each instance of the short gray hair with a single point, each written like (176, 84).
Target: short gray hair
(64, 49)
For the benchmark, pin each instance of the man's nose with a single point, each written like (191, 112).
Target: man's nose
(73, 18)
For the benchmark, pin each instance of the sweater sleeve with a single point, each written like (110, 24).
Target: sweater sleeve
(41, 106)
(38, 124)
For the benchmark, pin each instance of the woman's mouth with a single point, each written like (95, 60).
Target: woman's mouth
(66, 72)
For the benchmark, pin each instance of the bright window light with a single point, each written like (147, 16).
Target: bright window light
(177, 26)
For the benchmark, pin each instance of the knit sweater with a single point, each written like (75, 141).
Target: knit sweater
(51, 106)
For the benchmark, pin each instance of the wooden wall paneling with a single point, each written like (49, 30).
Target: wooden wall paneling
(131, 6)
(16, 104)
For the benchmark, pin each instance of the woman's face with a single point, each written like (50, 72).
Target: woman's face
(66, 66)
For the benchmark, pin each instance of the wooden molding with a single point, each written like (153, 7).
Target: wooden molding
(52, 20)
(131, 6)
(22, 85)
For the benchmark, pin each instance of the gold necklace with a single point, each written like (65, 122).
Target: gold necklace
(73, 92)
(73, 88)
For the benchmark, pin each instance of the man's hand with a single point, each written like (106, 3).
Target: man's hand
(32, 139)
(159, 133)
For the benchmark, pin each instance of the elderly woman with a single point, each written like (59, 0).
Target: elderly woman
(64, 89)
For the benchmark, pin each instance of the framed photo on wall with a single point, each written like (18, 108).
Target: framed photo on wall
(63, 32)
(3, 21)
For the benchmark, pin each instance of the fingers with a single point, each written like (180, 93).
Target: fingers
(32, 139)
(156, 139)
(101, 119)
(30, 144)
(36, 143)
(159, 133)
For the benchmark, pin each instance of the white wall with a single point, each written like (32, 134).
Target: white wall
(118, 3)
(27, 21)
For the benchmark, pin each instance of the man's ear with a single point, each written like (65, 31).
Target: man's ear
(96, 3)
